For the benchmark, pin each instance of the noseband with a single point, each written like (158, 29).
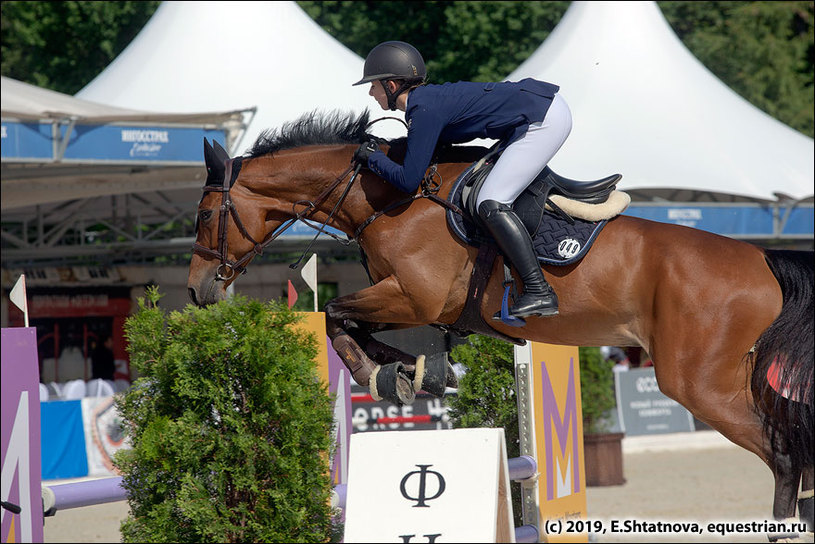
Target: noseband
(228, 269)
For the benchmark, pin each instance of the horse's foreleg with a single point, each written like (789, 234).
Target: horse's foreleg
(340, 331)
(352, 319)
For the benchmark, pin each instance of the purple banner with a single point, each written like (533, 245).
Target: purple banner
(339, 380)
(21, 436)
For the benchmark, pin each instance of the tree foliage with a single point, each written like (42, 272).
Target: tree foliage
(230, 427)
(476, 41)
(486, 396)
(596, 390)
(765, 51)
(63, 45)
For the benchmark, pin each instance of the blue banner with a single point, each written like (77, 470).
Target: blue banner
(27, 140)
(732, 220)
(63, 440)
(301, 230)
(107, 143)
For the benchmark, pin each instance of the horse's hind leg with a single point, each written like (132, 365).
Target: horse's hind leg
(787, 476)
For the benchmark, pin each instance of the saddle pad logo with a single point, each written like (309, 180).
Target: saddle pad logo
(568, 247)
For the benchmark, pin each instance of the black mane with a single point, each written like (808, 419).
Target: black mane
(321, 128)
(313, 128)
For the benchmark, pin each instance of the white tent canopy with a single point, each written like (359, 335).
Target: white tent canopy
(645, 107)
(26, 102)
(194, 56)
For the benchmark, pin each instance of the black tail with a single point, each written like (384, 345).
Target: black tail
(789, 341)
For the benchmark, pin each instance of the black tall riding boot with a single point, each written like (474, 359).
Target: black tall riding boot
(513, 239)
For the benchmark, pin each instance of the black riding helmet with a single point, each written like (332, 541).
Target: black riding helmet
(394, 60)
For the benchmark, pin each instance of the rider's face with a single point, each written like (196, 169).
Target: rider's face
(378, 92)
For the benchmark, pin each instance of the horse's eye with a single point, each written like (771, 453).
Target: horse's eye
(205, 215)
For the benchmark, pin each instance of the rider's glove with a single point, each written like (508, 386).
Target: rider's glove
(364, 152)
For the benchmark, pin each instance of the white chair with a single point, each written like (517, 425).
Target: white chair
(75, 389)
(43, 392)
(72, 364)
(48, 372)
(99, 388)
(55, 390)
(120, 385)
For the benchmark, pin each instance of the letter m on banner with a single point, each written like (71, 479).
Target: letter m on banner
(551, 420)
(562, 464)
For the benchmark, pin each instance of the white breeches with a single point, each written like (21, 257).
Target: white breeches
(527, 156)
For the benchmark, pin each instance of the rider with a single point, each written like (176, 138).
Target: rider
(529, 117)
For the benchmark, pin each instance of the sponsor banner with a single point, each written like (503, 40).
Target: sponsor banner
(733, 220)
(333, 372)
(64, 452)
(107, 143)
(301, 230)
(27, 141)
(558, 431)
(426, 413)
(104, 435)
(21, 436)
(643, 409)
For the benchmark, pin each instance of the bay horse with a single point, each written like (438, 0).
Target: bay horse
(714, 314)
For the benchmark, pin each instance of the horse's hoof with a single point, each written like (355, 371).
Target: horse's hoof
(389, 382)
(452, 377)
(436, 373)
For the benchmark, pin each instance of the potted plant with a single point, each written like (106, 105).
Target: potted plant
(602, 449)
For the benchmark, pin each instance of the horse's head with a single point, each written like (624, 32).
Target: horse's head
(298, 173)
(225, 237)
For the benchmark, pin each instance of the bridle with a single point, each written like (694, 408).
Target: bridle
(228, 269)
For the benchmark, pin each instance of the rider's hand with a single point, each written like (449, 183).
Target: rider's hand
(365, 150)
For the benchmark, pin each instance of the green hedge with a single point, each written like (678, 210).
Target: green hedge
(229, 424)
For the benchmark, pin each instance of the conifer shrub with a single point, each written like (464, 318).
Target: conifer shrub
(596, 391)
(230, 426)
(486, 396)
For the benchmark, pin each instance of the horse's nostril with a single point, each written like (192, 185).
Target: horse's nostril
(191, 291)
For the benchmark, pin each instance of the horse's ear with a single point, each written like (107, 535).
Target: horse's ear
(215, 166)
(207, 153)
(220, 153)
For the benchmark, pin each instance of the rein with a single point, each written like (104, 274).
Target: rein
(430, 186)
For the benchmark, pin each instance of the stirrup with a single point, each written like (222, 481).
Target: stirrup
(503, 314)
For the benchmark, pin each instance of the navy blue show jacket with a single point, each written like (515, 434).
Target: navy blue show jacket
(461, 112)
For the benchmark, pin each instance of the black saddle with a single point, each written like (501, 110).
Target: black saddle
(557, 237)
(530, 205)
